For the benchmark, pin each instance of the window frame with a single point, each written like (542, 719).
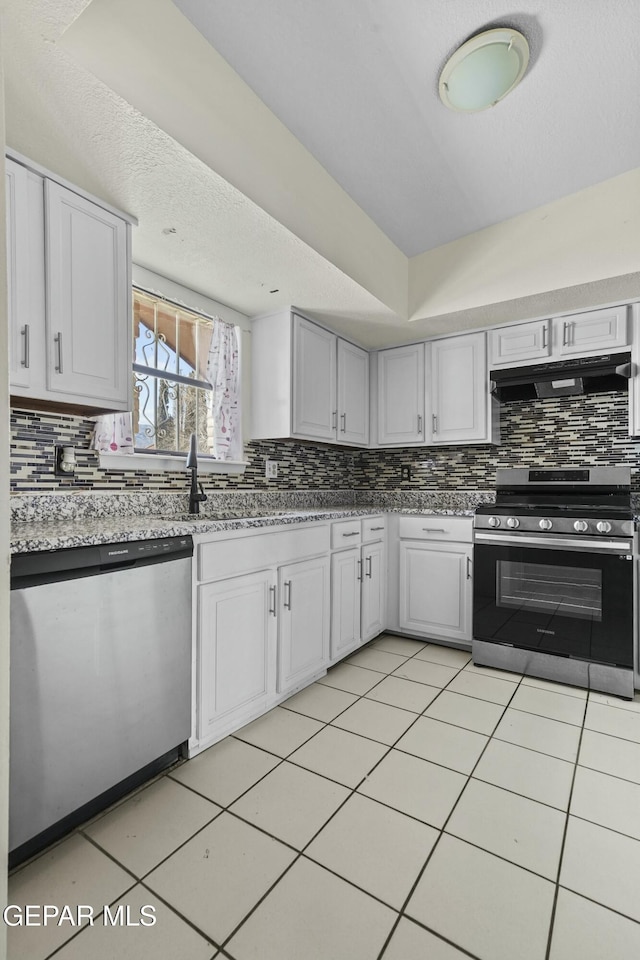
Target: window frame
(174, 461)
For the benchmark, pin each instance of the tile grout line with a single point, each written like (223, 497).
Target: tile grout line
(554, 905)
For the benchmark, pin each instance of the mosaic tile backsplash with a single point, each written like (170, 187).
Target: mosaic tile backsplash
(587, 430)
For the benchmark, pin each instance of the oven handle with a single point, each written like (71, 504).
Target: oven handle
(588, 544)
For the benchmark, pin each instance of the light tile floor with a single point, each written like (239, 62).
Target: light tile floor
(407, 806)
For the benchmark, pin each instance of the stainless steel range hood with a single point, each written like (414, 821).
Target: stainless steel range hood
(563, 379)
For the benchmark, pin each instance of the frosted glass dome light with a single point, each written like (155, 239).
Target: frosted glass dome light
(484, 70)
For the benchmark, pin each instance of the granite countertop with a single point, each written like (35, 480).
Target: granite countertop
(32, 536)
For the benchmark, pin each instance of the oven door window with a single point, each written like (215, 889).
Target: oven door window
(549, 589)
(565, 602)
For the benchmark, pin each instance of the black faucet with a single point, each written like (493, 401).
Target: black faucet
(195, 497)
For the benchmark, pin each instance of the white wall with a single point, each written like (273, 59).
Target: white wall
(4, 548)
(586, 237)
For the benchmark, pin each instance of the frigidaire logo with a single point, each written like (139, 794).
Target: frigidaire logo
(540, 630)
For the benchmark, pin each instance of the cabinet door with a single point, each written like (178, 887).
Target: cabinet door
(346, 577)
(236, 647)
(435, 589)
(88, 301)
(592, 332)
(353, 394)
(303, 614)
(459, 390)
(401, 395)
(373, 590)
(509, 346)
(315, 415)
(20, 331)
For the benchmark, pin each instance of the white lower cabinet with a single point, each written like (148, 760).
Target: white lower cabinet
(303, 621)
(358, 586)
(435, 594)
(260, 633)
(236, 649)
(374, 576)
(345, 602)
(435, 569)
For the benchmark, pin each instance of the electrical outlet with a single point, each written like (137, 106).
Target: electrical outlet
(271, 469)
(405, 471)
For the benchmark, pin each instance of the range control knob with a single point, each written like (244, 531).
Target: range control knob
(494, 521)
(603, 526)
(513, 522)
(545, 524)
(580, 526)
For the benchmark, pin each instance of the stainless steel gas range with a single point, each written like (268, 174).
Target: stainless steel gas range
(553, 593)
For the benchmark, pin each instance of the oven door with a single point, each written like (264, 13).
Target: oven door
(570, 597)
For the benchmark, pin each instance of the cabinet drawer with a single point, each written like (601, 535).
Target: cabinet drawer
(373, 528)
(434, 527)
(224, 558)
(347, 533)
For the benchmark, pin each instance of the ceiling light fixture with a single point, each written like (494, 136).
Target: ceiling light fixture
(484, 70)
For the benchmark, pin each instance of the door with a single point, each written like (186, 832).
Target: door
(21, 327)
(373, 590)
(435, 589)
(88, 301)
(401, 395)
(303, 615)
(567, 602)
(593, 332)
(346, 578)
(459, 390)
(509, 346)
(315, 416)
(353, 394)
(236, 666)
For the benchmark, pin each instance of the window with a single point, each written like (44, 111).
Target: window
(185, 368)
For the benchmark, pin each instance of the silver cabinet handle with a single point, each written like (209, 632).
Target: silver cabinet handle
(565, 328)
(272, 609)
(468, 568)
(287, 595)
(359, 573)
(343, 428)
(434, 420)
(434, 529)
(356, 533)
(58, 340)
(544, 336)
(377, 528)
(419, 423)
(25, 334)
(369, 565)
(334, 420)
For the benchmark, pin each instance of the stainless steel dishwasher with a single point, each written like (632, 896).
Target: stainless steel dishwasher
(100, 679)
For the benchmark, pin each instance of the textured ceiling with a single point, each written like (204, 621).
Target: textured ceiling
(229, 241)
(356, 83)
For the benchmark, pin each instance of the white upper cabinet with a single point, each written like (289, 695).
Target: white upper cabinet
(594, 332)
(353, 394)
(458, 389)
(307, 382)
(578, 335)
(69, 295)
(87, 297)
(18, 281)
(314, 381)
(401, 395)
(510, 346)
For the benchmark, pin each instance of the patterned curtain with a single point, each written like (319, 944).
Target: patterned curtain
(113, 433)
(223, 370)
